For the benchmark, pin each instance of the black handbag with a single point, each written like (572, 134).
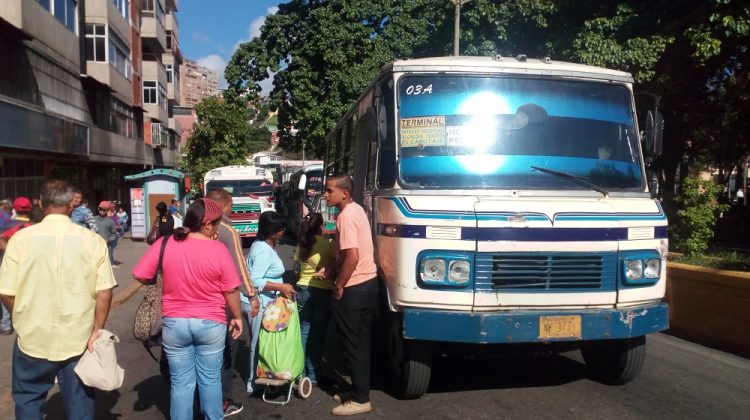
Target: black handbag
(153, 234)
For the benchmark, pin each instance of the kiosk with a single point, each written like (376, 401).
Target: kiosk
(155, 186)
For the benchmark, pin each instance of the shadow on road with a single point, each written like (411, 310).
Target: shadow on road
(152, 391)
(451, 374)
(105, 402)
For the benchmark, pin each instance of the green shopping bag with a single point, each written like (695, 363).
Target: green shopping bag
(280, 354)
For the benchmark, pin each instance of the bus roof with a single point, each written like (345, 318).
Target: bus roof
(506, 65)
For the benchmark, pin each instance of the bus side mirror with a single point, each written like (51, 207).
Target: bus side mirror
(381, 120)
(653, 134)
(302, 182)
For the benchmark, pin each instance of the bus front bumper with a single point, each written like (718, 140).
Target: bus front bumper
(526, 326)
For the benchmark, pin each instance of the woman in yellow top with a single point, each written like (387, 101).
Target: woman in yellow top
(316, 258)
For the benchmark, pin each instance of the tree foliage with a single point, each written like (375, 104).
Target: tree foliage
(692, 54)
(219, 138)
(698, 211)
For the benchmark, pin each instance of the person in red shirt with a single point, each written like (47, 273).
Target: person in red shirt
(200, 285)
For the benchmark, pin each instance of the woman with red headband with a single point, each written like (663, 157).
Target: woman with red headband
(199, 284)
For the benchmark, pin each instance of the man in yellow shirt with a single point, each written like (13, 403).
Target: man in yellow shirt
(57, 280)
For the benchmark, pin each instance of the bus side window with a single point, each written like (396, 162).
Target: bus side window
(349, 146)
(387, 159)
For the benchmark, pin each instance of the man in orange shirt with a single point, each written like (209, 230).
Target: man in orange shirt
(355, 292)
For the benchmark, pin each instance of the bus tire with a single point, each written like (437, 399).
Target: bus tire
(411, 362)
(615, 362)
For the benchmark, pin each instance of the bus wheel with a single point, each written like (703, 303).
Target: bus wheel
(615, 362)
(411, 362)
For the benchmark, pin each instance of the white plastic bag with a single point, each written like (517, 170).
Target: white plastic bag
(99, 368)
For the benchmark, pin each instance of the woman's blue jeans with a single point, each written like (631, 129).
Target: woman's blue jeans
(195, 351)
(314, 314)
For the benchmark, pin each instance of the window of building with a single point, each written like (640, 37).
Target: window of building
(63, 10)
(153, 8)
(96, 42)
(121, 118)
(170, 73)
(150, 94)
(169, 39)
(162, 97)
(119, 55)
(45, 4)
(122, 6)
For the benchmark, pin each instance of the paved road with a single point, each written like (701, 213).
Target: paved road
(680, 380)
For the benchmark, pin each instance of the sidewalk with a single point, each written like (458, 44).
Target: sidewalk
(143, 394)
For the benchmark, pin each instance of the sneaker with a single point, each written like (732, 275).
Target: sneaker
(9, 331)
(350, 408)
(343, 397)
(231, 408)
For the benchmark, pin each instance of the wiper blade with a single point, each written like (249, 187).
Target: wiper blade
(574, 178)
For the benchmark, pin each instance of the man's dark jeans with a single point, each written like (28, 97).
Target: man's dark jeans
(33, 378)
(353, 315)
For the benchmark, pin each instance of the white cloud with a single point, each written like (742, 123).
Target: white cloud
(267, 85)
(215, 62)
(256, 24)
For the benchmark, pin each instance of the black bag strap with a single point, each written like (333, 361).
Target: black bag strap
(161, 258)
(161, 253)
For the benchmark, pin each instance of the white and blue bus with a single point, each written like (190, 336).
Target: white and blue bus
(509, 204)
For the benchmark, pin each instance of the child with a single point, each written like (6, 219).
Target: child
(316, 257)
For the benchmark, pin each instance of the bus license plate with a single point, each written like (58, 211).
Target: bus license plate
(568, 326)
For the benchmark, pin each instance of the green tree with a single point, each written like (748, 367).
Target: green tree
(219, 137)
(258, 139)
(697, 214)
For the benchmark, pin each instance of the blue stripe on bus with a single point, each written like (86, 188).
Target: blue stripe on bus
(526, 234)
(403, 205)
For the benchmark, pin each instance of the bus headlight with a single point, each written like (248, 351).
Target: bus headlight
(640, 268)
(653, 268)
(438, 269)
(633, 269)
(433, 270)
(459, 272)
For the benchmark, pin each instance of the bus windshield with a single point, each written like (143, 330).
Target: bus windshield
(242, 188)
(492, 132)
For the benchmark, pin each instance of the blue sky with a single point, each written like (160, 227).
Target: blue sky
(210, 30)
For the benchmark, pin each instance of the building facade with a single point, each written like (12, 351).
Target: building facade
(83, 91)
(197, 83)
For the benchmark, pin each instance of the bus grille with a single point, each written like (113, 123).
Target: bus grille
(556, 271)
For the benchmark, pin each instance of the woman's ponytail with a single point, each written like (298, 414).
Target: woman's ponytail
(308, 228)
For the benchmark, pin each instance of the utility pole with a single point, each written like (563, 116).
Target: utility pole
(457, 22)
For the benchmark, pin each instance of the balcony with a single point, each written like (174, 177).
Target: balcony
(153, 35)
(107, 13)
(37, 23)
(154, 70)
(174, 125)
(105, 74)
(173, 5)
(173, 87)
(170, 24)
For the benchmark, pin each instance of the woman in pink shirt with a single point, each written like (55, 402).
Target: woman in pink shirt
(200, 284)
